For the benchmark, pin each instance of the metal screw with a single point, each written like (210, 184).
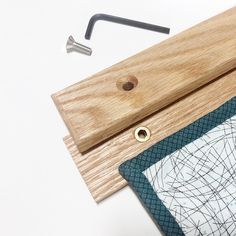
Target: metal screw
(73, 46)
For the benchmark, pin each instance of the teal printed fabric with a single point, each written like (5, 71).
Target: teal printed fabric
(187, 182)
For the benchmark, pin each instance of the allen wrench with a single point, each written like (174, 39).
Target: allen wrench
(123, 21)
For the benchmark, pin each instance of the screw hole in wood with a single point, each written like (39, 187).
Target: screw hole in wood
(127, 83)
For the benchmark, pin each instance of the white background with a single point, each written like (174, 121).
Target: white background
(41, 191)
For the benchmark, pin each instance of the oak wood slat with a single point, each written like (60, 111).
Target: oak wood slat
(99, 166)
(95, 109)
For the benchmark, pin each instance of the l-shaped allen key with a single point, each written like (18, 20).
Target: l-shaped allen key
(123, 21)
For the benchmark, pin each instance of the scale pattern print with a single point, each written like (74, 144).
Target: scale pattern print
(197, 183)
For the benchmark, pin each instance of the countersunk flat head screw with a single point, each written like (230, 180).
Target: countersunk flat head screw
(73, 46)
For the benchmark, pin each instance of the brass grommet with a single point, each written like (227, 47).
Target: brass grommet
(142, 134)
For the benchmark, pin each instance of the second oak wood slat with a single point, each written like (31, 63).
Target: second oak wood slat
(99, 107)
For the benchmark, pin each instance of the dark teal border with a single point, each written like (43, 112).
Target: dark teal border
(132, 170)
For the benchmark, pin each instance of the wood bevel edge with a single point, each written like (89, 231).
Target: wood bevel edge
(63, 116)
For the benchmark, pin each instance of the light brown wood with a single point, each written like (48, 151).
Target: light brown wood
(97, 108)
(99, 166)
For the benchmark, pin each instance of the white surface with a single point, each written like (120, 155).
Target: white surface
(41, 191)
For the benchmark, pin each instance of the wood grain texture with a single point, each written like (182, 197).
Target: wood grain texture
(99, 166)
(95, 109)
